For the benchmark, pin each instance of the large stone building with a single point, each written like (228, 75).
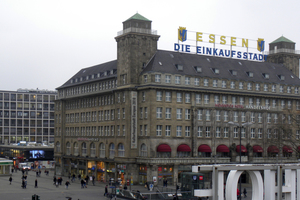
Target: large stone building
(27, 115)
(153, 113)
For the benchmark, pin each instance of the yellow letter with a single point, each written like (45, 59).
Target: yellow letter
(199, 37)
(233, 41)
(244, 42)
(212, 38)
(222, 38)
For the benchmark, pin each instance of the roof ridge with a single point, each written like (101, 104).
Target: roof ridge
(138, 16)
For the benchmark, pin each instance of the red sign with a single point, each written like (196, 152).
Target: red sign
(201, 178)
(159, 169)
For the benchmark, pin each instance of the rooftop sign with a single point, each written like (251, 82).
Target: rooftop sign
(240, 45)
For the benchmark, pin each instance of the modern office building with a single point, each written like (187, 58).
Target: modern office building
(27, 115)
(152, 114)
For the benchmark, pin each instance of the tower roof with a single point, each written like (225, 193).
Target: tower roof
(282, 39)
(137, 16)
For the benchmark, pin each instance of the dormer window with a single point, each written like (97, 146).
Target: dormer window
(81, 78)
(76, 80)
(105, 74)
(198, 69)
(179, 67)
(266, 76)
(93, 76)
(281, 77)
(71, 80)
(215, 70)
(250, 74)
(87, 77)
(98, 75)
(112, 71)
(233, 72)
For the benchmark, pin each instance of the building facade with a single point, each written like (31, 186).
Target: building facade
(152, 114)
(27, 115)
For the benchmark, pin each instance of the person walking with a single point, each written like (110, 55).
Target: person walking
(93, 180)
(35, 183)
(105, 191)
(67, 184)
(245, 192)
(82, 183)
(10, 180)
(54, 180)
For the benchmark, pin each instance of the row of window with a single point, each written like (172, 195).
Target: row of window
(26, 123)
(26, 114)
(26, 131)
(26, 106)
(27, 97)
(224, 99)
(106, 85)
(224, 84)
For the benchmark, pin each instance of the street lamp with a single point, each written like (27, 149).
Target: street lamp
(240, 126)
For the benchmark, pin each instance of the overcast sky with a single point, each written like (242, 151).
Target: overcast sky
(43, 43)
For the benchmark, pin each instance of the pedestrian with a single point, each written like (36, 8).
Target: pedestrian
(23, 183)
(54, 180)
(82, 183)
(35, 183)
(69, 175)
(67, 184)
(166, 182)
(105, 191)
(73, 178)
(10, 180)
(87, 179)
(245, 192)
(93, 180)
(37, 173)
(238, 193)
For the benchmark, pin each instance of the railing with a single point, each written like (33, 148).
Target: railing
(187, 160)
(137, 30)
(282, 51)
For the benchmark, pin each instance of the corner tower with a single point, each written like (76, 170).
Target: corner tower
(282, 51)
(136, 44)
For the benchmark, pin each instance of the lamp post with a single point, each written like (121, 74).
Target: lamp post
(240, 126)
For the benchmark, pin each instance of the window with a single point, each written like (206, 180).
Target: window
(57, 147)
(68, 148)
(198, 69)
(196, 81)
(297, 105)
(241, 85)
(187, 80)
(217, 99)
(159, 112)
(177, 79)
(282, 104)
(250, 101)
(179, 67)
(273, 88)
(297, 134)
(215, 83)
(199, 114)
(223, 84)
(168, 113)
(123, 113)
(93, 150)
(145, 78)
(102, 150)
(76, 149)
(145, 129)
(281, 89)
(296, 90)
(187, 131)
(242, 100)
(124, 130)
(143, 152)
(288, 89)
(269, 118)
(158, 130)
(143, 96)
(233, 100)
(168, 130)
(274, 103)
(232, 85)
(259, 117)
(226, 132)
(224, 99)
(267, 102)
(206, 99)
(252, 133)
(199, 131)
(178, 131)
(218, 132)
(198, 98)
(83, 149)
(158, 95)
(265, 87)
(259, 133)
(218, 115)
(179, 97)
(205, 82)
(157, 78)
(146, 112)
(121, 150)
(207, 131)
(187, 98)
(289, 104)
(187, 114)
(258, 101)
(243, 132)
(168, 96)
(207, 116)
(249, 86)
(250, 74)
(112, 150)
(266, 76)
(257, 87)
(168, 78)
(225, 116)
(275, 118)
(235, 116)
(179, 113)
(235, 132)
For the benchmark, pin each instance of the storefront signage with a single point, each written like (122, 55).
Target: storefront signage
(133, 120)
(213, 40)
(258, 107)
(88, 139)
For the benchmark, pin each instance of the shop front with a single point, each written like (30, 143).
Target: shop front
(142, 174)
(111, 170)
(82, 168)
(91, 168)
(165, 173)
(74, 167)
(100, 176)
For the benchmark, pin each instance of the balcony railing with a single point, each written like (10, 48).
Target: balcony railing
(137, 30)
(282, 51)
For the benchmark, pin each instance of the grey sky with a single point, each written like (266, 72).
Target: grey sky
(43, 43)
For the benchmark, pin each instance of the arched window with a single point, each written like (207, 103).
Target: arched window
(57, 147)
(76, 149)
(112, 150)
(102, 150)
(93, 150)
(121, 150)
(83, 149)
(163, 151)
(143, 150)
(68, 150)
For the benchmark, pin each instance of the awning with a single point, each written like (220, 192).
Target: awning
(273, 149)
(222, 148)
(287, 149)
(204, 148)
(242, 148)
(163, 148)
(257, 149)
(184, 148)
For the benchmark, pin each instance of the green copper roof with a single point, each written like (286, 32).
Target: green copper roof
(282, 39)
(138, 17)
